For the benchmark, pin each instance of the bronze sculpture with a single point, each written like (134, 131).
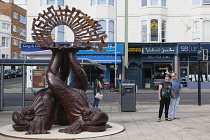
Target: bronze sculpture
(51, 102)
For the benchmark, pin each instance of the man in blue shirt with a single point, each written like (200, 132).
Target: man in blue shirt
(174, 101)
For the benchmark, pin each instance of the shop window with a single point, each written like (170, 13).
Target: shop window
(193, 70)
(161, 69)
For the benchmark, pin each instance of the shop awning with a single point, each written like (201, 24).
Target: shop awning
(103, 59)
(157, 61)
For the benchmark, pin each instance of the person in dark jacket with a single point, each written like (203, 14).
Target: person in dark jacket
(97, 86)
(164, 96)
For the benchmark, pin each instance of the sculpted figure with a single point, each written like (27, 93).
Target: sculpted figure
(59, 103)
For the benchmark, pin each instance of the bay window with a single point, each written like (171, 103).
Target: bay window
(153, 30)
(153, 3)
(108, 28)
(102, 2)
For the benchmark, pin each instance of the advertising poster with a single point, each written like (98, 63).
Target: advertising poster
(38, 79)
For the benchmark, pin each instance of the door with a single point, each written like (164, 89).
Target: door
(183, 74)
(133, 74)
(146, 78)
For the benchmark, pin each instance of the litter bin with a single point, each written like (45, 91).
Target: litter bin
(128, 97)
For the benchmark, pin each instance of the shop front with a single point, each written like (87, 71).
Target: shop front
(188, 66)
(110, 63)
(148, 67)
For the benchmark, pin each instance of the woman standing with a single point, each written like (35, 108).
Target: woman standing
(97, 86)
(164, 94)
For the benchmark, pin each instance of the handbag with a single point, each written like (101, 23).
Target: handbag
(99, 95)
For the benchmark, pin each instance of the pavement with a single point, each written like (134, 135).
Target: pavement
(194, 122)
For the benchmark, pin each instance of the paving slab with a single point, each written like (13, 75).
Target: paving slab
(194, 123)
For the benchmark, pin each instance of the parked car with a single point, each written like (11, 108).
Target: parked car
(19, 72)
(9, 74)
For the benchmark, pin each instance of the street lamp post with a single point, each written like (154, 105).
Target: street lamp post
(115, 51)
(126, 38)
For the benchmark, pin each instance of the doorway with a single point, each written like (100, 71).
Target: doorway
(146, 77)
(183, 74)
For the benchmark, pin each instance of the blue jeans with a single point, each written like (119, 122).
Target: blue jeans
(174, 107)
(96, 101)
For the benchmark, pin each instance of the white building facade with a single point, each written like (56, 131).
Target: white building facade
(151, 23)
(5, 36)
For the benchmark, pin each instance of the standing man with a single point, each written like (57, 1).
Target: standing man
(174, 101)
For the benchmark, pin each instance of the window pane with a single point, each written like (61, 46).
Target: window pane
(60, 37)
(103, 25)
(61, 2)
(154, 2)
(111, 25)
(206, 1)
(196, 30)
(154, 30)
(160, 73)
(42, 2)
(101, 2)
(163, 36)
(22, 19)
(163, 3)
(93, 2)
(50, 2)
(15, 15)
(144, 3)
(111, 2)
(144, 31)
(61, 28)
(196, 2)
(206, 29)
(111, 36)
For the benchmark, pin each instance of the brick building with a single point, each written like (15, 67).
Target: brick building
(18, 27)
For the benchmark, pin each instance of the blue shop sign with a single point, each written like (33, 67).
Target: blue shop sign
(31, 48)
(192, 48)
(109, 50)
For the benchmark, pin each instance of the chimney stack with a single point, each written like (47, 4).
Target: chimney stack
(11, 1)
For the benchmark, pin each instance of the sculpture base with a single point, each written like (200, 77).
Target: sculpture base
(54, 134)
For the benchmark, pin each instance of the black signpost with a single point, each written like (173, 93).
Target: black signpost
(200, 58)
